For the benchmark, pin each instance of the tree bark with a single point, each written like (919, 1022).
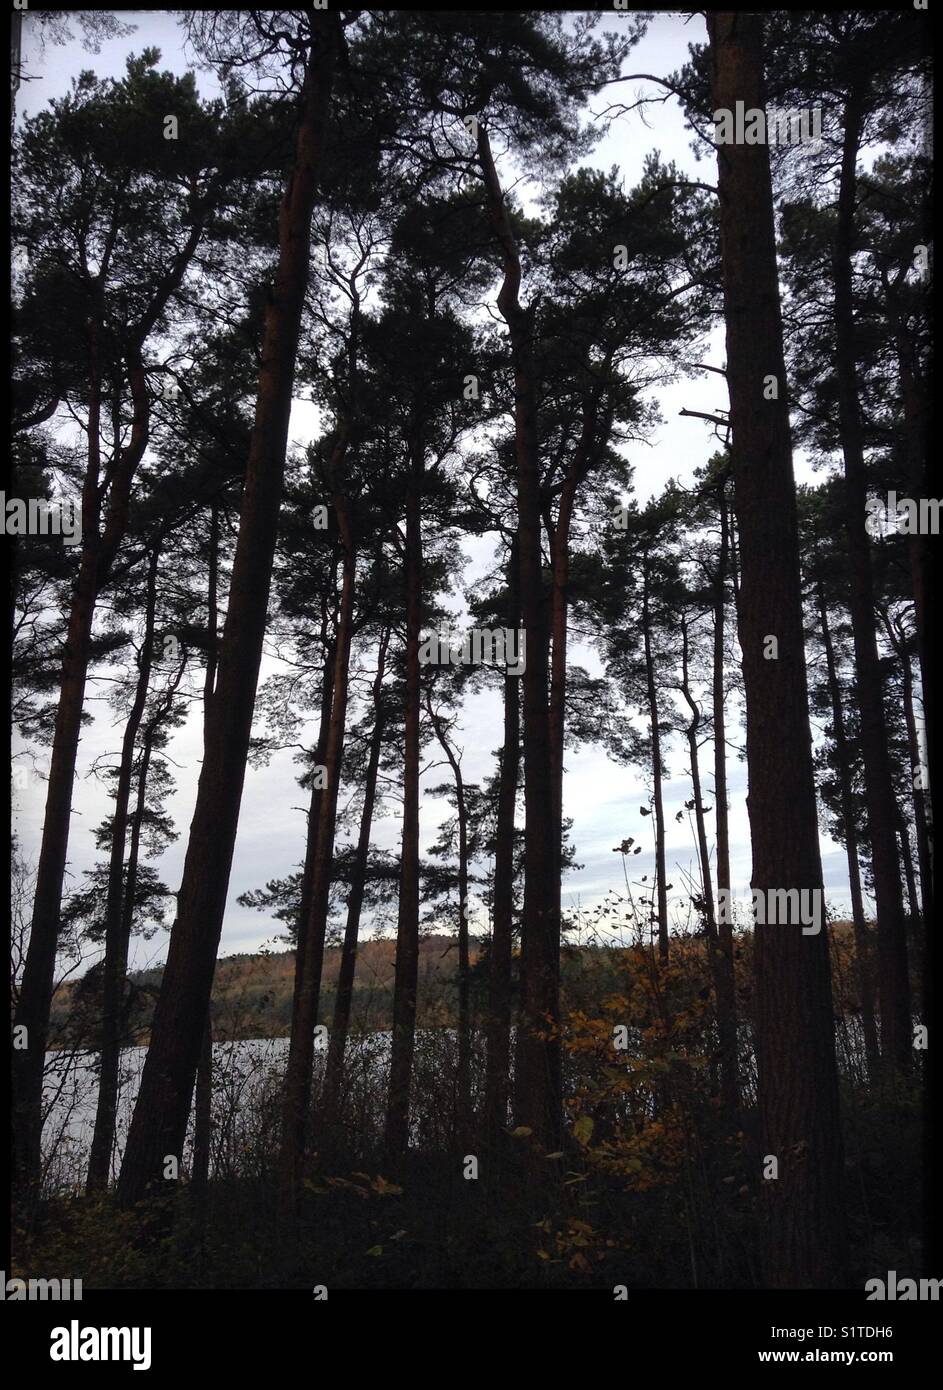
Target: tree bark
(805, 1243)
(159, 1123)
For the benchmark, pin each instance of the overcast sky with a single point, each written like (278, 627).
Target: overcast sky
(602, 798)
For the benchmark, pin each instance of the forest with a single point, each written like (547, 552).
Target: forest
(471, 686)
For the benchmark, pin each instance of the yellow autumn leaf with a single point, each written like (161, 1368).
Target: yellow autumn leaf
(583, 1129)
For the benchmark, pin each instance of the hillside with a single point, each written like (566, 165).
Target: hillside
(252, 994)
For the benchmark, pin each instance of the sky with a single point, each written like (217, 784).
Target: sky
(602, 798)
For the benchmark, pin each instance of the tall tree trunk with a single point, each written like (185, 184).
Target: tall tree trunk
(920, 553)
(538, 1068)
(864, 968)
(344, 993)
(727, 999)
(734, 563)
(126, 920)
(797, 1074)
(329, 647)
(159, 1123)
(36, 987)
(297, 1086)
(203, 1096)
(116, 947)
(893, 981)
(559, 540)
(148, 738)
(498, 1043)
(721, 805)
(921, 828)
(463, 1078)
(661, 883)
(406, 978)
(558, 537)
(723, 984)
(906, 859)
(212, 618)
(707, 886)
(203, 1112)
